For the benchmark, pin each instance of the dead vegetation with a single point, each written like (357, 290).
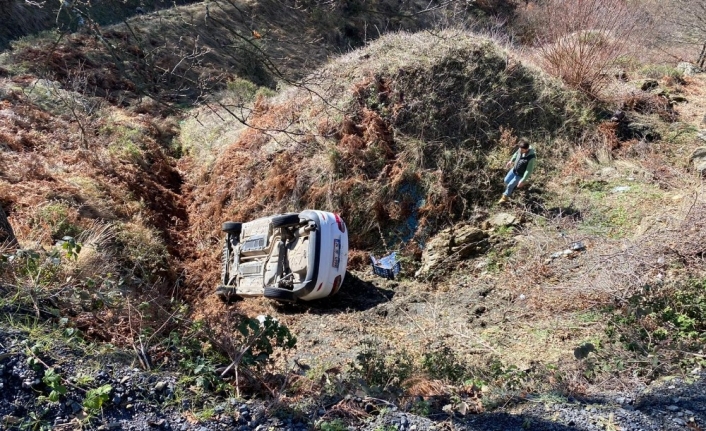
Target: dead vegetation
(395, 145)
(403, 137)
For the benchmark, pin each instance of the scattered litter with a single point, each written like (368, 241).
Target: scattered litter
(620, 189)
(262, 318)
(578, 246)
(386, 267)
(574, 249)
(522, 297)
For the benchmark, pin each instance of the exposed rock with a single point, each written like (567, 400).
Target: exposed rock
(698, 158)
(702, 134)
(649, 85)
(459, 242)
(468, 234)
(436, 251)
(609, 172)
(643, 131)
(503, 219)
(688, 69)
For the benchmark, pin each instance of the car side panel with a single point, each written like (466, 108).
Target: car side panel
(329, 235)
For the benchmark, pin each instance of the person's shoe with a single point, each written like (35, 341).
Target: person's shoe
(503, 199)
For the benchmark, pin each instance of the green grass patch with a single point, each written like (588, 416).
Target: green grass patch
(659, 71)
(615, 209)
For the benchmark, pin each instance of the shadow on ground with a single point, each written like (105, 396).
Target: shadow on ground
(534, 201)
(355, 295)
(672, 405)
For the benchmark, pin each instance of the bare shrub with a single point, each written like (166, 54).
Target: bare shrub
(682, 25)
(580, 41)
(647, 103)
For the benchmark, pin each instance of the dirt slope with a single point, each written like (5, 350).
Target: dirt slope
(361, 151)
(403, 138)
(400, 137)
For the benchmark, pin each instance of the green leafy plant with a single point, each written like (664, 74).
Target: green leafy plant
(443, 363)
(97, 398)
(70, 247)
(198, 363)
(260, 339)
(421, 408)
(508, 376)
(381, 368)
(84, 379)
(334, 425)
(674, 315)
(250, 346)
(35, 421)
(53, 382)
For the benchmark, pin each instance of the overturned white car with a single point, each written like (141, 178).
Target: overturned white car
(284, 257)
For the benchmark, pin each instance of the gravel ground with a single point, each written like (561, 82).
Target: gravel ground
(142, 401)
(671, 404)
(668, 404)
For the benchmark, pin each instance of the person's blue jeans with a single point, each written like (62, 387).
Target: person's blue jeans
(511, 181)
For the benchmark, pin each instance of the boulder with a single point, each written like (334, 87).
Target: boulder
(643, 132)
(468, 241)
(688, 69)
(459, 242)
(698, 158)
(468, 234)
(649, 85)
(503, 219)
(437, 249)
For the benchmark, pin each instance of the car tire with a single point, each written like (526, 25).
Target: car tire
(279, 294)
(285, 220)
(232, 227)
(225, 261)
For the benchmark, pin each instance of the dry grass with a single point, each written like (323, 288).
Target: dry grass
(123, 210)
(370, 138)
(584, 43)
(402, 137)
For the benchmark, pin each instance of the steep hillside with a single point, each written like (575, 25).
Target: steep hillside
(408, 136)
(401, 138)
(184, 54)
(23, 18)
(124, 148)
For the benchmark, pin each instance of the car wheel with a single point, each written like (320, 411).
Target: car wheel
(225, 260)
(232, 227)
(279, 294)
(285, 220)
